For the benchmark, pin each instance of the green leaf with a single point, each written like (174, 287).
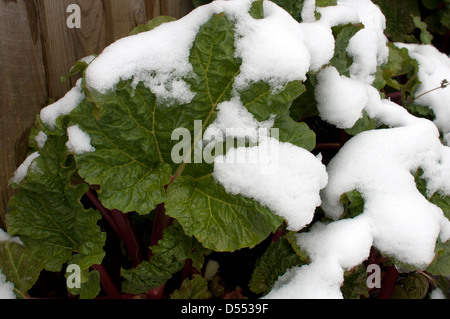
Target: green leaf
(261, 103)
(89, 284)
(425, 36)
(168, 257)
(305, 105)
(156, 22)
(441, 262)
(353, 204)
(326, 3)
(47, 214)
(365, 123)
(132, 135)
(19, 267)
(293, 7)
(341, 59)
(126, 162)
(78, 67)
(399, 24)
(279, 257)
(257, 9)
(355, 283)
(414, 286)
(198, 3)
(195, 288)
(220, 221)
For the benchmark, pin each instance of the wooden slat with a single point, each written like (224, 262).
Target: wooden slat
(176, 8)
(64, 46)
(23, 86)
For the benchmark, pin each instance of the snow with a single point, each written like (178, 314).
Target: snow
(270, 173)
(40, 139)
(63, 106)
(22, 171)
(6, 287)
(340, 100)
(333, 248)
(434, 67)
(368, 46)
(79, 142)
(397, 219)
(437, 294)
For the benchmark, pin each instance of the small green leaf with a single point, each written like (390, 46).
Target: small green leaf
(355, 283)
(293, 7)
(156, 22)
(414, 286)
(257, 9)
(441, 263)
(195, 288)
(341, 59)
(425, 36)
(168, 257)
(365, 123)
(353, 204)
(78, 67)
(279, 257)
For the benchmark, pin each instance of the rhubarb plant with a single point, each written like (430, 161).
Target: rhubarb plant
(189, 139)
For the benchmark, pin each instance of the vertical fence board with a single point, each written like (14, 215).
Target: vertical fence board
(64, 46)
(176, 8)
(23, 86)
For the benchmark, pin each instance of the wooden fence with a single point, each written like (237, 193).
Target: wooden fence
(37, 48)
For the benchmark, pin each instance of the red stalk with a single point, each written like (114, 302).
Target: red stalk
(128, 235)
(160, 222)
(388, 284)
(106, 282)
(121, 225)
(105, 212)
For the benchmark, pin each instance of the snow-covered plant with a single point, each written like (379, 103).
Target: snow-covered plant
(189, 137)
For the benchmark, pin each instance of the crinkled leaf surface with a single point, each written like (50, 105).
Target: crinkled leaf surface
(131, 132)
(168, 257)
(47, 213)
(19, 267)
(220, 221)
(279, 257)
(195, 288)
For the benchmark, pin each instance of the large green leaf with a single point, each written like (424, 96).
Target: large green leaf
(131, 132)
(127, 162)
(168, 257)
(19, 267)
(220, 221)
(47, 214)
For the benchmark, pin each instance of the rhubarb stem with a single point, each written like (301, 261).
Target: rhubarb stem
(388, 284)
(106, 282)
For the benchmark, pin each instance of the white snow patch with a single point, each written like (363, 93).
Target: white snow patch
(271, 174)
(63, 106)
(22, 171)
(6, 287)
(79, 142)
(40, 139)
(434, 67)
